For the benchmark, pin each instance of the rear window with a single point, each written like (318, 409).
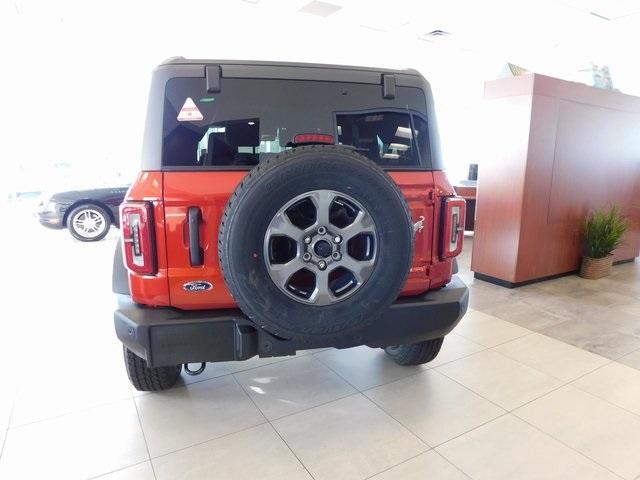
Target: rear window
(252, 119)
(387, 138)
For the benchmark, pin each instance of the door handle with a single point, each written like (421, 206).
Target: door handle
(194, 219)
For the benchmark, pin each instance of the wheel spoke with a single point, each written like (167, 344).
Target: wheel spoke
(281, 225)
(363, 223)
(322, 199)
(361, 269)
(322, 295)
(282, 272)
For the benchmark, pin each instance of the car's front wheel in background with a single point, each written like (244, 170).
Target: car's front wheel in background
(88, 223)
(415, 353)
(148, 379)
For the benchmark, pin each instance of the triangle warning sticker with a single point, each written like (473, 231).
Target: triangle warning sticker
(189, 112)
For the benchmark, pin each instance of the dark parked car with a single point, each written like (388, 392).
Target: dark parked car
(87, 214)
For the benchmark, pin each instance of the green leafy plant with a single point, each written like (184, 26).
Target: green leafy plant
(603, 231)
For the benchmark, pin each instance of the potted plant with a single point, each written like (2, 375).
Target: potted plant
(603, 231)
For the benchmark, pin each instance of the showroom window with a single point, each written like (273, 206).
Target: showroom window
(383, 137)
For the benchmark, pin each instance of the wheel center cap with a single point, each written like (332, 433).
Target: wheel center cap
(323, 248)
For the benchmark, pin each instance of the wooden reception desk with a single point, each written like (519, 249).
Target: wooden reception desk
(558, 149)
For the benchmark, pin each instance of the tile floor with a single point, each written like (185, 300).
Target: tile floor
(537, 382)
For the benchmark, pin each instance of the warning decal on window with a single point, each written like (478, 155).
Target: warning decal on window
(189, 112)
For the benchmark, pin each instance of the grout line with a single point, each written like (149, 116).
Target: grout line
(377, 385)
(504, 414)
(144, 437)
(452, 464)
(273, 427)
(118, 470)
(397, 464)
(6, 430)
(341, 397)
(73, 412)
(566, 445)
(186, 447)
(429, 447)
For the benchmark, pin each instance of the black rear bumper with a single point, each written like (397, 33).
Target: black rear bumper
(167, 336)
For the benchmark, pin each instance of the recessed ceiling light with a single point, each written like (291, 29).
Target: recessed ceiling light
(320, 9)
(434, 35)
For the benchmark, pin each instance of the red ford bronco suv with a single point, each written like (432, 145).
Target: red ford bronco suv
(285, 207)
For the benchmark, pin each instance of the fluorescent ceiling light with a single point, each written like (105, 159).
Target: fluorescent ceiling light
(320, 9)
(403, 132)
(399, 146)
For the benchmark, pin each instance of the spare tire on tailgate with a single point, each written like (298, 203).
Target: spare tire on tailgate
(317, 241)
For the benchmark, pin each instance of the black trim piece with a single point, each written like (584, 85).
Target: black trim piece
(388, 86)
(628, 260)
(168, 336)
(172, 61)
(194, 219)
(508, 284)
(212, 73)
(300, 73)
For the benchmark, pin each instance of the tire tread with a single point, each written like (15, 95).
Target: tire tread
(148, 379)
(416, 353)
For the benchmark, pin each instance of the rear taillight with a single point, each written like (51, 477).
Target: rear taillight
(453, 212)
(137, 237)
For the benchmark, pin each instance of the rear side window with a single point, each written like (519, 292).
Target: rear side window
(384, 137)
(250, 120)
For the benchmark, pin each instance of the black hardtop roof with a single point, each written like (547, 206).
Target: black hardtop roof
(190, 61)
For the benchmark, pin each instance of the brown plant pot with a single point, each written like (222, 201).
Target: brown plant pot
(594, 268)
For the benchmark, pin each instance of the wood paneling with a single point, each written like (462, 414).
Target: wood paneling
(561, 149)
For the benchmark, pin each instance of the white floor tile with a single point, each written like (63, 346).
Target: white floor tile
(509, 449)
(347, 439)
(488, 330)
(6, 404)
(429, 465)
(77, 385)
(254, 453)
(500, 379)
(365, 367)
(182, 417)
(601, 431)
(615, 383)
(78, 445)
(433, 406)
(552, 357)
(288, 387)
(142, 471)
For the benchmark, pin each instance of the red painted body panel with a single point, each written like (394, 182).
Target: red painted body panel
(151, 289)
(172, 193)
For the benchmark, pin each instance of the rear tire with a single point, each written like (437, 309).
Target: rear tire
(148, 379)
(415, 353)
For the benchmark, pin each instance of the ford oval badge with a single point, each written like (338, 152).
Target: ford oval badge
(197, 286)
